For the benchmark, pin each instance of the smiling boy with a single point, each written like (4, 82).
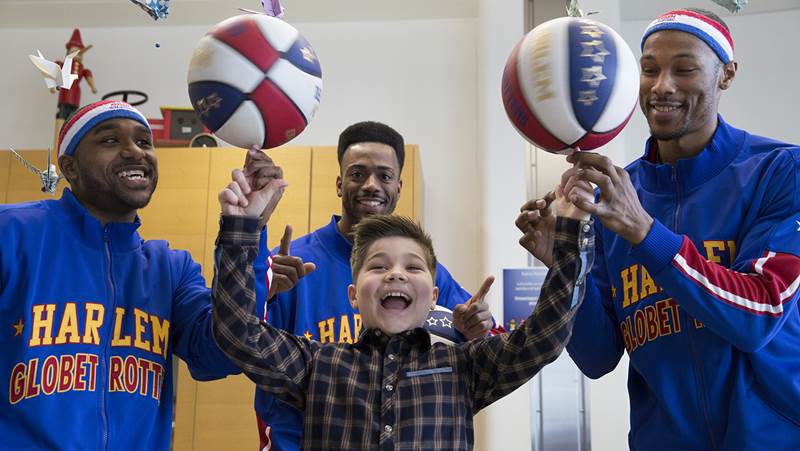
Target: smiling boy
(393, 389)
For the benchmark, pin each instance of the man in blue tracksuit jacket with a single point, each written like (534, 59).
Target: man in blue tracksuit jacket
(371, 158)
(92, 313)
(697, 271)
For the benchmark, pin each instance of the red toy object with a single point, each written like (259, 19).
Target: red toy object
(180, 127)
(70, 99)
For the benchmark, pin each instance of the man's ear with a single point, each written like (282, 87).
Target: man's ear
(435, 297)
(399, 186)
(68, 167)
(351, 294)
(728, 74)
(339, 185)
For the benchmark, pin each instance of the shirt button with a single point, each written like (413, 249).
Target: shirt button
(389, 387)
(391, 356)
(585, 242)
(388, 429)
(586, 227)
(377, 333)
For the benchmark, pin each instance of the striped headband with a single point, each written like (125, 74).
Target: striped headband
(90, 116)
(708, 30)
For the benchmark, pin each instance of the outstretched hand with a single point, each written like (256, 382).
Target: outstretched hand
(618, 206)
(260, 170)
(287, 269)
(238, 199)
(537, 222)
(473, 318)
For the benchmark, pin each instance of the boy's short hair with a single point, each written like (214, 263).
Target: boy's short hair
(370, 131)
(372, 228)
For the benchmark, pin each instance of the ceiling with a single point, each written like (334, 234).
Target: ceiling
(110, 13)
(648, 9)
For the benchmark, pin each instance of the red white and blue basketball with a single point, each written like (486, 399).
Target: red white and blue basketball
(570, 83)
(441, 327)
(254, 80)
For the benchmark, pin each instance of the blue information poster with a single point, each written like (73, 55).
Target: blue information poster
(521, 287)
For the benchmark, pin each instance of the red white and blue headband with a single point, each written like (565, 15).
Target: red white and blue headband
(89, 117)
(706, 29)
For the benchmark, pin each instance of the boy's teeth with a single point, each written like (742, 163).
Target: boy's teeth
(396, 294)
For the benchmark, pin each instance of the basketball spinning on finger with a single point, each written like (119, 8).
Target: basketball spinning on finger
(254, 80)
(570, 83)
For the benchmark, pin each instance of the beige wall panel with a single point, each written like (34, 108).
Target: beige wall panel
(325, 169)
(183, 433)
(416, 190)
(405, 206)
(324, 201)
(293, 208)
(225, 418)
(24, 185)
(177, 210)
(4, 163)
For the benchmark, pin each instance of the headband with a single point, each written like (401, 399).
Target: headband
(90, 116)
(708, 30)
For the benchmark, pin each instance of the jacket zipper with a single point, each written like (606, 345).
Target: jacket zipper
(689, 324)
(112, 314)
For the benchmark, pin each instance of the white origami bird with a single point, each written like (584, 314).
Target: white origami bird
(55, 77)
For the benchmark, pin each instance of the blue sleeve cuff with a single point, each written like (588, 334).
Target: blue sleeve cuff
(658, 248)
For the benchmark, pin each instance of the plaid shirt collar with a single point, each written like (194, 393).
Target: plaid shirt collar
(375, 339)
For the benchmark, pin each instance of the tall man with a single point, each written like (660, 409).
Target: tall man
(371, 157)
(699, 270)
(97, 312)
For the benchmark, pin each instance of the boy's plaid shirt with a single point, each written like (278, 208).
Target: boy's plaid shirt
(392, 392)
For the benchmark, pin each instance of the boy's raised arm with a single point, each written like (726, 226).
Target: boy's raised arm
(503, 363)
(276, 361)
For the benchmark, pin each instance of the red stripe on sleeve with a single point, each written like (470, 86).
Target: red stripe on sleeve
(774, 280)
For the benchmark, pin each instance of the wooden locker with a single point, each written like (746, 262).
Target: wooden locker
(177, 210)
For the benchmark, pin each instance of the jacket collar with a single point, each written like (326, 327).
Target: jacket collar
(337, 244)
(120, 236)
(690, 173)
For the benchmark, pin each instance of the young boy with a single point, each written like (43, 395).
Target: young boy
(392, 389)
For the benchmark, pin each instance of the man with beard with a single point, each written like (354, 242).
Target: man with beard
(92, 313)
(699, 242)
(371, 157)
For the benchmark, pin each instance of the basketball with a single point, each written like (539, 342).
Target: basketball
(254, 80)
(440, 325)
(570, 83)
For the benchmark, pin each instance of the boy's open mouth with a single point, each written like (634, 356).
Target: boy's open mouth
(395, 300)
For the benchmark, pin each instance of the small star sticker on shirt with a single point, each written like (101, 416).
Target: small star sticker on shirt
(18, 328)
(432, 321)
(308, 335)
(446, 322)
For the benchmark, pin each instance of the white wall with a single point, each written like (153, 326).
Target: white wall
(417, 76)
(505, 425)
